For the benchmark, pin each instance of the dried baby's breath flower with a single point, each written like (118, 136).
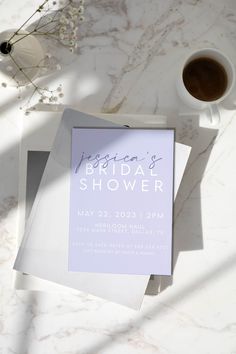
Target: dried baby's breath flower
(61, 25)
(81, 10)
(72, 24)
(62, 29)
(48, 55)
(62, 19)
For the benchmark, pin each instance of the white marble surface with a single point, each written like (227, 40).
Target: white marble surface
(126, 62)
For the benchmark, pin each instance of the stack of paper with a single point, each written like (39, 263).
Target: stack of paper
(44, 249)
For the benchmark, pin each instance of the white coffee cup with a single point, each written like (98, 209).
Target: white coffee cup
(194, 102)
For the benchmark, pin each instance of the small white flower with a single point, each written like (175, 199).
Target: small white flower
(75, 18)
(75, 10)
(73, 37)
(81, 18)
(62, 19)
(81, 10)
(62, 29)
(48, 55)
(71, 50)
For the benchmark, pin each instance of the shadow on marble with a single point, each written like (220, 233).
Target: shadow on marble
(23, 321)
(159, 308)
(187, 210)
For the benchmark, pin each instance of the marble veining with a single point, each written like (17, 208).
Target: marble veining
(127, 60)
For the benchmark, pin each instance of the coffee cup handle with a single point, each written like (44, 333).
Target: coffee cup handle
(214, 114)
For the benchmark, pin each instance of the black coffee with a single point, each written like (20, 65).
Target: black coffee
(205, 79)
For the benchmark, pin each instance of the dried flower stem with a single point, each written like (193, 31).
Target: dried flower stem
(38, 89)
(20, 69)
(44, 3)
(35, 30)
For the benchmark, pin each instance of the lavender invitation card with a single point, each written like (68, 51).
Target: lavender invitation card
(121, 201)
